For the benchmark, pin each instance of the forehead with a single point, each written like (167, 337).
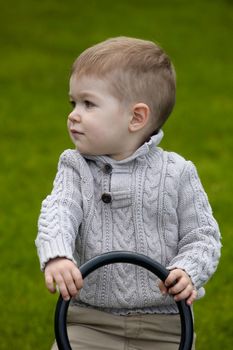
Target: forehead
(87, 83)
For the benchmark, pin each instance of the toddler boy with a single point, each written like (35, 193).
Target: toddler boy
(118, 191)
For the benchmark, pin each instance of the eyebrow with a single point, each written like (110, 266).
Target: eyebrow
(84, 94)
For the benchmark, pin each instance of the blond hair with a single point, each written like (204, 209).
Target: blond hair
(137, 70)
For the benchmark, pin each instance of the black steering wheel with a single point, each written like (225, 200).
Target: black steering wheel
(130, 258)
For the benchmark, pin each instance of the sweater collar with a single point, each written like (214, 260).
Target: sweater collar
(140, 152)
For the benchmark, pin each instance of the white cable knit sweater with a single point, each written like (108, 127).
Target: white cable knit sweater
(152, 203)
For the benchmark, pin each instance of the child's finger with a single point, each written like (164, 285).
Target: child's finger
(178, 286)
(173, 277)
(162, 288)
(49, 281)
(62, 287)
(70, 284)
(77, 277)
(192, 297)
(184, 294)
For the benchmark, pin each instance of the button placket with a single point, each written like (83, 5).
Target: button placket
(107, 171)
(106, 198)
(107, 168)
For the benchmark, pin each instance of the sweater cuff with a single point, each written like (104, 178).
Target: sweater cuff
(51, 249)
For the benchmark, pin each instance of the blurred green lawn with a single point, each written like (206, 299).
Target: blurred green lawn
(38, 42)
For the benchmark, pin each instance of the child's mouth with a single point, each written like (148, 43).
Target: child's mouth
(76, 132)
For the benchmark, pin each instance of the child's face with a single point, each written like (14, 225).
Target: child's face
(98, 123)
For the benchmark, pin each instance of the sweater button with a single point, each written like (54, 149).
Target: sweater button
(106, 198)
(107, 168)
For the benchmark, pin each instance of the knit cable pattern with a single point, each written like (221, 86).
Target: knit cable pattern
(158, 208)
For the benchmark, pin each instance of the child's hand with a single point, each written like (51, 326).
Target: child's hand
(64, 274)
(179, 284)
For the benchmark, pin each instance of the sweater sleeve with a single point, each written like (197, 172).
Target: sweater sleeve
(199, 236)
(61, 213)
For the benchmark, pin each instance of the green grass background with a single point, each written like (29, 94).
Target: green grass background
(38, 42)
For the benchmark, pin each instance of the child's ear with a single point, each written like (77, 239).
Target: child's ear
(140, 117)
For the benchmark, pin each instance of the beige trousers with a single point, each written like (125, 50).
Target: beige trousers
(90, 329)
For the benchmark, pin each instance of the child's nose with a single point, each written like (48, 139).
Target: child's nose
(74, 117)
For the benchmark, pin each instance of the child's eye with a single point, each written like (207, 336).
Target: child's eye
(88, 104)
(72, 103)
